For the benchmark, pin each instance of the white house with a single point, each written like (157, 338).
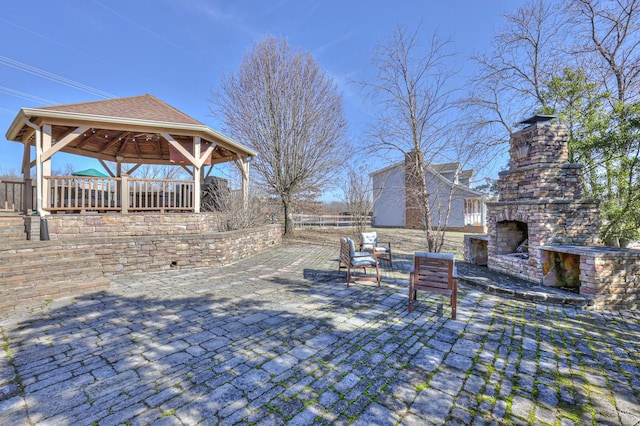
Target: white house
(392, 208)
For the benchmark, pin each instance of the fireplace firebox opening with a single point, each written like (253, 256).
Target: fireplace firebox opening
(512, 238)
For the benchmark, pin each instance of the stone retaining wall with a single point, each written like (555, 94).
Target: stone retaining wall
(152, 253)
(68, 226)
(40, 272)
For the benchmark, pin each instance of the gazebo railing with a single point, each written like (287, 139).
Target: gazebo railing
(160, 194)
(13, 197)
(81, 193)
(123, 194)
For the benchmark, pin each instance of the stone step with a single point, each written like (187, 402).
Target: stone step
(61, 268)
(44, 271)
(12, 254)
(12, 229)
(490, 281)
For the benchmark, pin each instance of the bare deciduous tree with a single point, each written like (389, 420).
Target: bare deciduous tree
(609, 38)
(152, 171)
(413, 88)
(290, 112)
(607, 43)
(540, 40)
(511, 79)
(230, 212)
(357, 192)
(156, 171)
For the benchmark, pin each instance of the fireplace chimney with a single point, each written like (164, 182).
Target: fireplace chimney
(538, 118)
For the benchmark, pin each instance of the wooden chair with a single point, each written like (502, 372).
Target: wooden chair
(369, 242)
(351, 259)
(435, 272)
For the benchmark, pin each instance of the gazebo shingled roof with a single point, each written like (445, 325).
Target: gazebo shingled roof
(143, 107)
(132, 128)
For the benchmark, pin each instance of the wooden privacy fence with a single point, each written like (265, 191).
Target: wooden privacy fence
(123, 194)
(329, 221)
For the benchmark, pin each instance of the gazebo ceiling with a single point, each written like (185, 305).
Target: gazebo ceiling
(132, 146)
(132, 130)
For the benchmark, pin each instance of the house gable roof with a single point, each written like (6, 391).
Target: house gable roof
(386, 169)
(448, 182)
(446, 167)
(439, 170)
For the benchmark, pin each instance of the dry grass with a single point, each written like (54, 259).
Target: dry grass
(403, 241)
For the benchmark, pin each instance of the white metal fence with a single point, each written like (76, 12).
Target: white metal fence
(327, 221)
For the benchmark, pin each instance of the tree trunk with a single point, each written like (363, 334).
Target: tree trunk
(288, 216)
(434, 234)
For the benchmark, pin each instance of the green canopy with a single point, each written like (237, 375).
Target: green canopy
(89, 172)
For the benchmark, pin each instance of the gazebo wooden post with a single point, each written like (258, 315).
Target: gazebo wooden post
(118, 165)
(197, 175)
(244, 167)
(27, 192)
(124, 193)
(46, 165)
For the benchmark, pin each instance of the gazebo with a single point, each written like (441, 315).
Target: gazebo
(125, 131)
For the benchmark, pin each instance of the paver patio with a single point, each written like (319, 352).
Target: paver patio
(278, 339)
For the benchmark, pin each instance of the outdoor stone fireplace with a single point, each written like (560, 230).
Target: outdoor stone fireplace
(540, 202)
(542, 229)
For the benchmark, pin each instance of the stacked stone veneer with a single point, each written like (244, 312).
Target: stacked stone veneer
(542, 190)
(67, 226)
(475, 249)
(539, 166)
(152, 253)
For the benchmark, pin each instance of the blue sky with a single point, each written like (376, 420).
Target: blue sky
(67, 51)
